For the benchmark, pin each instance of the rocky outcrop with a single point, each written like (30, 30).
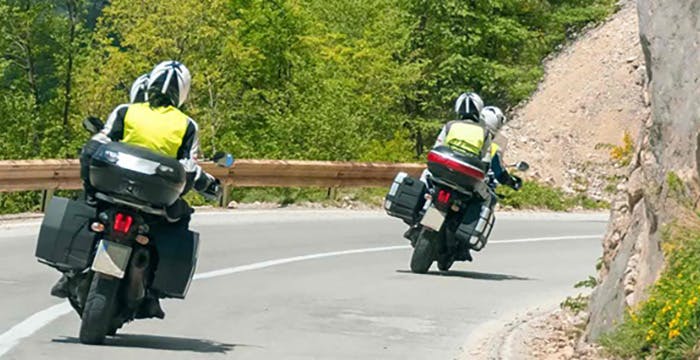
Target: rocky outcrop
(590, 96)
(664, 172)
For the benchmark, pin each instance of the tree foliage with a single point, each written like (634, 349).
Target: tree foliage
(286, 78)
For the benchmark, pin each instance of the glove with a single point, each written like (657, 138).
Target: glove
(517, 182)
(213, 191)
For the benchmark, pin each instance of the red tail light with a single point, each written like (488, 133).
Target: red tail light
(444, 197)
(122, 223)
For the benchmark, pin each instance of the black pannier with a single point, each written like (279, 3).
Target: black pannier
(405, 198)
(177, 260)
(477, 224)
(65, 240)
(137, 174)
(456, 168)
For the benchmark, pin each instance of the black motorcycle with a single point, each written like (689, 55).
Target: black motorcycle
(119, 249)
(450, 216)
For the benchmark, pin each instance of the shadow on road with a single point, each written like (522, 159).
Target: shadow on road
(161, 343)
(471, 275)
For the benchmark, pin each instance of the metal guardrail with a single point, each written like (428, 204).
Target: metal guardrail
(50, 175)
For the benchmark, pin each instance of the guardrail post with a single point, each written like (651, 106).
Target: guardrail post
(46, 196)
(332, 193)
(225, 196)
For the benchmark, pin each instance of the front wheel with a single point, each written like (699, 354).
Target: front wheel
(445, 262)
(99, 309)
(423, 253)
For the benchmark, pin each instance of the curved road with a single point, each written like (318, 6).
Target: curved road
(282, 285)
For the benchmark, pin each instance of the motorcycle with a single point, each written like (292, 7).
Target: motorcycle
(119, 250)
(452, 214)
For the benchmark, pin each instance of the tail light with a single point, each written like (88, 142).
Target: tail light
(444, 197)
(122, 223)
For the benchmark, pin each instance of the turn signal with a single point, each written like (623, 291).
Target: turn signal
(97, 227)
(142, 239)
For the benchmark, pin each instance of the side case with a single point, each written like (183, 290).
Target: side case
(65, 240)
(405, 198)
(477, 224)
(177, 262)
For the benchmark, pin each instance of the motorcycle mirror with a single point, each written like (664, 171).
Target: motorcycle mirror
(93, 125)
(223, 159)
(522, 166)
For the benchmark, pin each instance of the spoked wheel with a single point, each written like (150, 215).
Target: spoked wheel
(99, 310)
(423, 253)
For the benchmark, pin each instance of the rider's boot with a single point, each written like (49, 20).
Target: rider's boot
(61, 289)
(412, 233)
(150, 308)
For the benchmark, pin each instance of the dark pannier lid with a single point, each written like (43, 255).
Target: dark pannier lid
(137, 173)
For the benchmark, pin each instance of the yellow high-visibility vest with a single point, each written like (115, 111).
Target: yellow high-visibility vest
(160, 129)
(465, 137)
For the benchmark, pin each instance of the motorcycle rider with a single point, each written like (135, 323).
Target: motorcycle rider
(473, 132)
(158, 125)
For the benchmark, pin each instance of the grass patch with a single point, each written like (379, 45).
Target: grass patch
(667, 325)
(534, 195)
(579, 303)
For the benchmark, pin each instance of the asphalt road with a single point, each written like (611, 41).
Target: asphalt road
(303, 296)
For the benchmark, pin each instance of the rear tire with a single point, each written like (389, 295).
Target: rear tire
(423, 253)
(445, 262)
(99, 309)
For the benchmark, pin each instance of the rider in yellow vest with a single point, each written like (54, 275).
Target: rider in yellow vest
(159, 125)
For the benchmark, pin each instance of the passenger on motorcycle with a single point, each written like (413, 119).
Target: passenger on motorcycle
(137, 94)
(160, 126)
(493, 120)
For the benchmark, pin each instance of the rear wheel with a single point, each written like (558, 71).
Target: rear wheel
(99, 309)
(423, 253)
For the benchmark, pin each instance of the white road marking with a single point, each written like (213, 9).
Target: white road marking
(269, 263)
(30, 325)
(10, 338)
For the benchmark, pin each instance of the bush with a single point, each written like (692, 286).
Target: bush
(667, 325)
(534, 195)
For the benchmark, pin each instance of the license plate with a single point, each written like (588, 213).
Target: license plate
(111, 258)
(433, 219)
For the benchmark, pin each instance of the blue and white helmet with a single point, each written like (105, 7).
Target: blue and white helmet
(171, 78)
(469, 106)
(138, 90)
(493, 118)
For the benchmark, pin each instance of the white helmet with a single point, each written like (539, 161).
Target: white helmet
(493, 118)
(469, 106)
(138, 90)
(172, 79)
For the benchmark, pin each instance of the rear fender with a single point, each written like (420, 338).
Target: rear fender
(138, 276)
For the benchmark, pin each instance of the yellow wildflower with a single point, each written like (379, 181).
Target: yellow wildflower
(673, 333)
